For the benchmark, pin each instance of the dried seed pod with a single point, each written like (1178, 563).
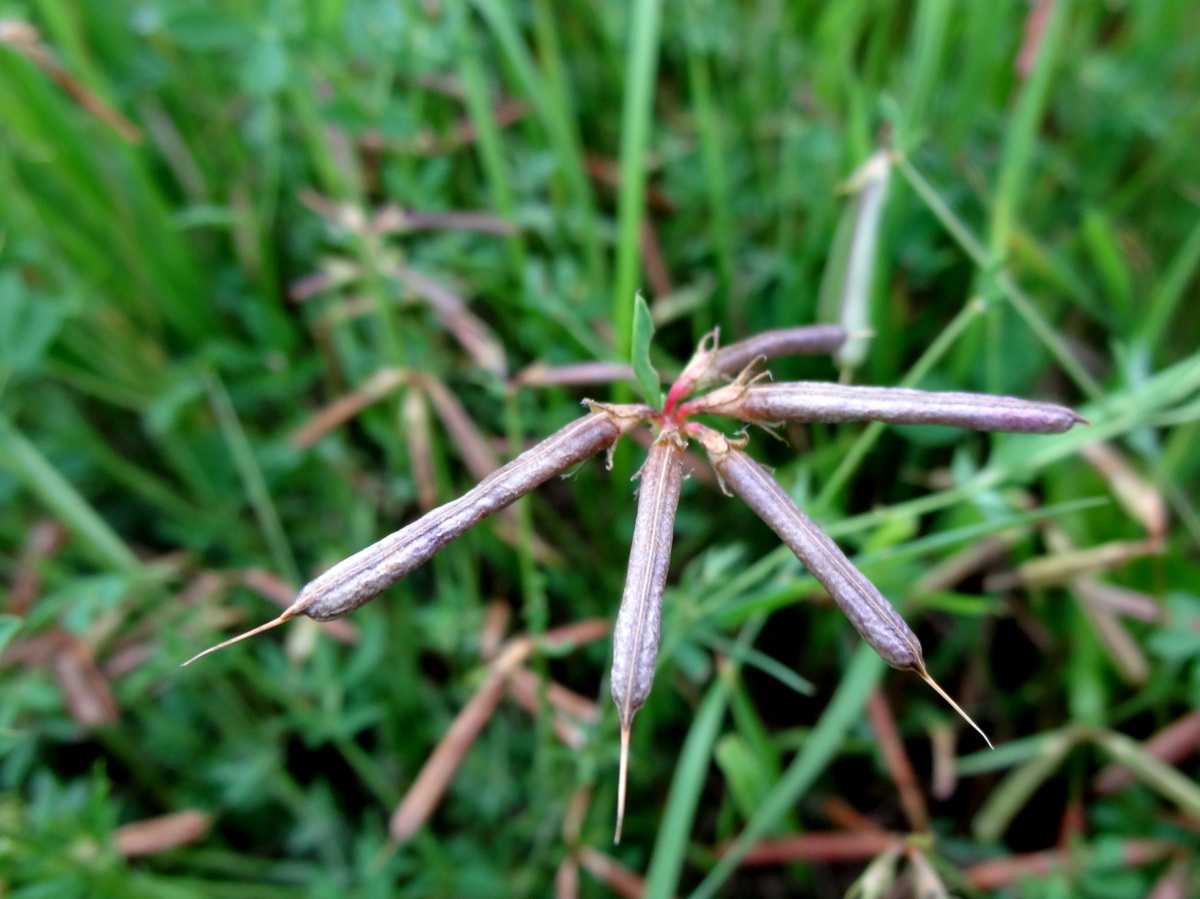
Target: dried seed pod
(807, 340)
(870, 613)
(853, 281)
(364, 575)
(636, 635)
(710, 365)
(813, 401)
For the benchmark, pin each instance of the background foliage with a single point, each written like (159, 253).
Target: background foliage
(175, 174)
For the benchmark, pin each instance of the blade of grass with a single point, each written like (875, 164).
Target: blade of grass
(1004, 281)
(1170, 290)
(242, 452)
(715, 166)
(61, 497)
(556, 118)
(640, 79)
(691, 772)
(845, 709)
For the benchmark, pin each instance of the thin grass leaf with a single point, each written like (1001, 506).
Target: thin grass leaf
(687, 783)
(641, 66)
(823, 743)
(1014, 792)
(61, 497)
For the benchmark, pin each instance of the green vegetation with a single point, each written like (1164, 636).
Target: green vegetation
(220, 219)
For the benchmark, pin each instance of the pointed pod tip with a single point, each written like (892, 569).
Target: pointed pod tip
(954, 705)
(275, 622)
(622, 777)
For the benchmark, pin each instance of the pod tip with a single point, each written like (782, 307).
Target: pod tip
(288, 613)
(954, 705)
(621, 779)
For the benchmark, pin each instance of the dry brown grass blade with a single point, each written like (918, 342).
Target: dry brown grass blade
(842, 814)
(827, 848)
(1031, 39)
(1122, 648)
(977, 557)
(336, 271)
(26, 40)
(1130, 603)
(899, 765)
(341, 410)
(611, 873)
(89, 697)
(655, 264)
(926, 882)
(469, 330)
(1137, 496)
(1174, 882)
(525, 688)
(162, 833)
(414, 415)
(1056, 569)
(44, 540)
(943, 745)
(582, 374)
(439, 769)
(495, 624)
(1124, 651)
(566, 879)
(464, 433)
(998, 873)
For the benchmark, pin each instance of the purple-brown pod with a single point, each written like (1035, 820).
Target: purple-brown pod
(639, 621)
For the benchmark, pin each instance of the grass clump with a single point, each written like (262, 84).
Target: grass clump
(271, 281)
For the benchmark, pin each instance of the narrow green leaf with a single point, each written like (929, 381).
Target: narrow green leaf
(61, 497)
(822, 745)
(1007, 800)
(674, 832)
(643, 332)
(8, 626)
(1153, 772)
(645, 22)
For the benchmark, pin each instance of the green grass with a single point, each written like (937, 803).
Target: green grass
(1040, 239)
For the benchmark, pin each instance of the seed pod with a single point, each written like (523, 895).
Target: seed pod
(364, 575)
(810, 401)
(807, 340)
(636, 635)
(870, 613)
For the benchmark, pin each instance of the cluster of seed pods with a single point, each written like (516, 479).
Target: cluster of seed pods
(746, 396)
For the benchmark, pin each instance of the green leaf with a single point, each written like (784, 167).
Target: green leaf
(8, 627)
(643, 331)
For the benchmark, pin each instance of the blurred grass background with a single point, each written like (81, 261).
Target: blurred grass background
(218, 219)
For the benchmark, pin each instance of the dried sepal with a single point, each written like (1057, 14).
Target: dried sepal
(639, 621)
(872, 615)
(363, 576)
(814, 401)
